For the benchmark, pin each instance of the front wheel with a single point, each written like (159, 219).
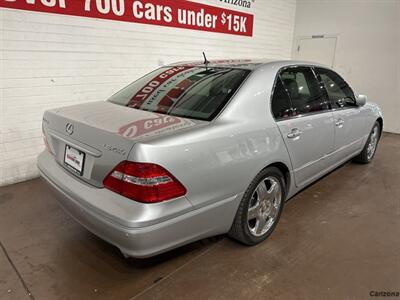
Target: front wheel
(260, 208)
(368, 153)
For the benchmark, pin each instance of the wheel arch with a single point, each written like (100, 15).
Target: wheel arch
(380, 121)
(237, 230)
(285, 171)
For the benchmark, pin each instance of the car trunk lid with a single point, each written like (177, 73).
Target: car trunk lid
(89, 140)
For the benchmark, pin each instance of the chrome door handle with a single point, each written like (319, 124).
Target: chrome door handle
(339, 123)
(294, 133)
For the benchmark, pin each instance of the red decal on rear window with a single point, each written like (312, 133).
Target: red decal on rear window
(140, 97)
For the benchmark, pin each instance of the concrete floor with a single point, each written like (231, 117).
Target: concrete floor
(338, 239)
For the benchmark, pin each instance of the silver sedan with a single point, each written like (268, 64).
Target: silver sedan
(196, 149)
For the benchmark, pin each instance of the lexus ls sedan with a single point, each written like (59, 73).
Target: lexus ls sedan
(195, 149)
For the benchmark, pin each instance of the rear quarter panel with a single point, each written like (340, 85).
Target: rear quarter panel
(218, 161)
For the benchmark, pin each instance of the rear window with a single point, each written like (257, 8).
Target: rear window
(184, 91)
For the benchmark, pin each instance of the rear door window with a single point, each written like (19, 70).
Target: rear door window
(339, 92)
(183, 91)
(280, 105)
(304, 90)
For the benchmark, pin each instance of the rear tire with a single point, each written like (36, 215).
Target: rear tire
(261, 207)
(368, 153)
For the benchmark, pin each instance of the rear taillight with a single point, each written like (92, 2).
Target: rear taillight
(144, 182)
(46, 142)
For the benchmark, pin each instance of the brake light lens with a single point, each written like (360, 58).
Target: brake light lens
(45, 141)
(144, 182)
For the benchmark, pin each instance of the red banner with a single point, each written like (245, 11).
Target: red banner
(170, 13)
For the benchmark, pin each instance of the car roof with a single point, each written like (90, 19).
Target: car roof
(248, 64)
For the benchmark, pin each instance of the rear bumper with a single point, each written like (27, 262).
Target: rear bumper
(138, 230)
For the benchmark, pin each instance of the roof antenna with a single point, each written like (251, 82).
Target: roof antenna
(206, 62)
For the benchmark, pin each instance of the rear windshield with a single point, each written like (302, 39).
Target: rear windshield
(184, 91)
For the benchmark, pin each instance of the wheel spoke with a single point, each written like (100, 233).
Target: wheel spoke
(273, 191)
(261, 221)
(253, 212)
(262, 191)
(274, 211)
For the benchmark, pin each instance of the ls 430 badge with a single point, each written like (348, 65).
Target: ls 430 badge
(114, 149)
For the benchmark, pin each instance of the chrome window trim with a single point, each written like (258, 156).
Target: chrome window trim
(305, 115)
(345, 108)
(317, 112)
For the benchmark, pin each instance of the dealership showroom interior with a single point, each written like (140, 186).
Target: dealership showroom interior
(199, 149)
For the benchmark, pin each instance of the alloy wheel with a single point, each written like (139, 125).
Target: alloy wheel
(264, 206)
(373, 142)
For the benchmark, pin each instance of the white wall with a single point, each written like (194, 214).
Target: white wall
(368, 48)
(52, 60)
(398, 67)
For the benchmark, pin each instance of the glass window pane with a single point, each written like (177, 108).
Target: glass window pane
(186, 91)
(281, 106)
(304, 90)
(339, 92)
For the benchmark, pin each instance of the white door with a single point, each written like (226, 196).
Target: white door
(318, 49)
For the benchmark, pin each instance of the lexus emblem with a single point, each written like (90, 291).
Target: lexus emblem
(69, 128)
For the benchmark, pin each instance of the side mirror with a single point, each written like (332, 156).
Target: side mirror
(361, 100)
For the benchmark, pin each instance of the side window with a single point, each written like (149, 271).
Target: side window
(280, 105)
(304, 90)
(339, 92)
